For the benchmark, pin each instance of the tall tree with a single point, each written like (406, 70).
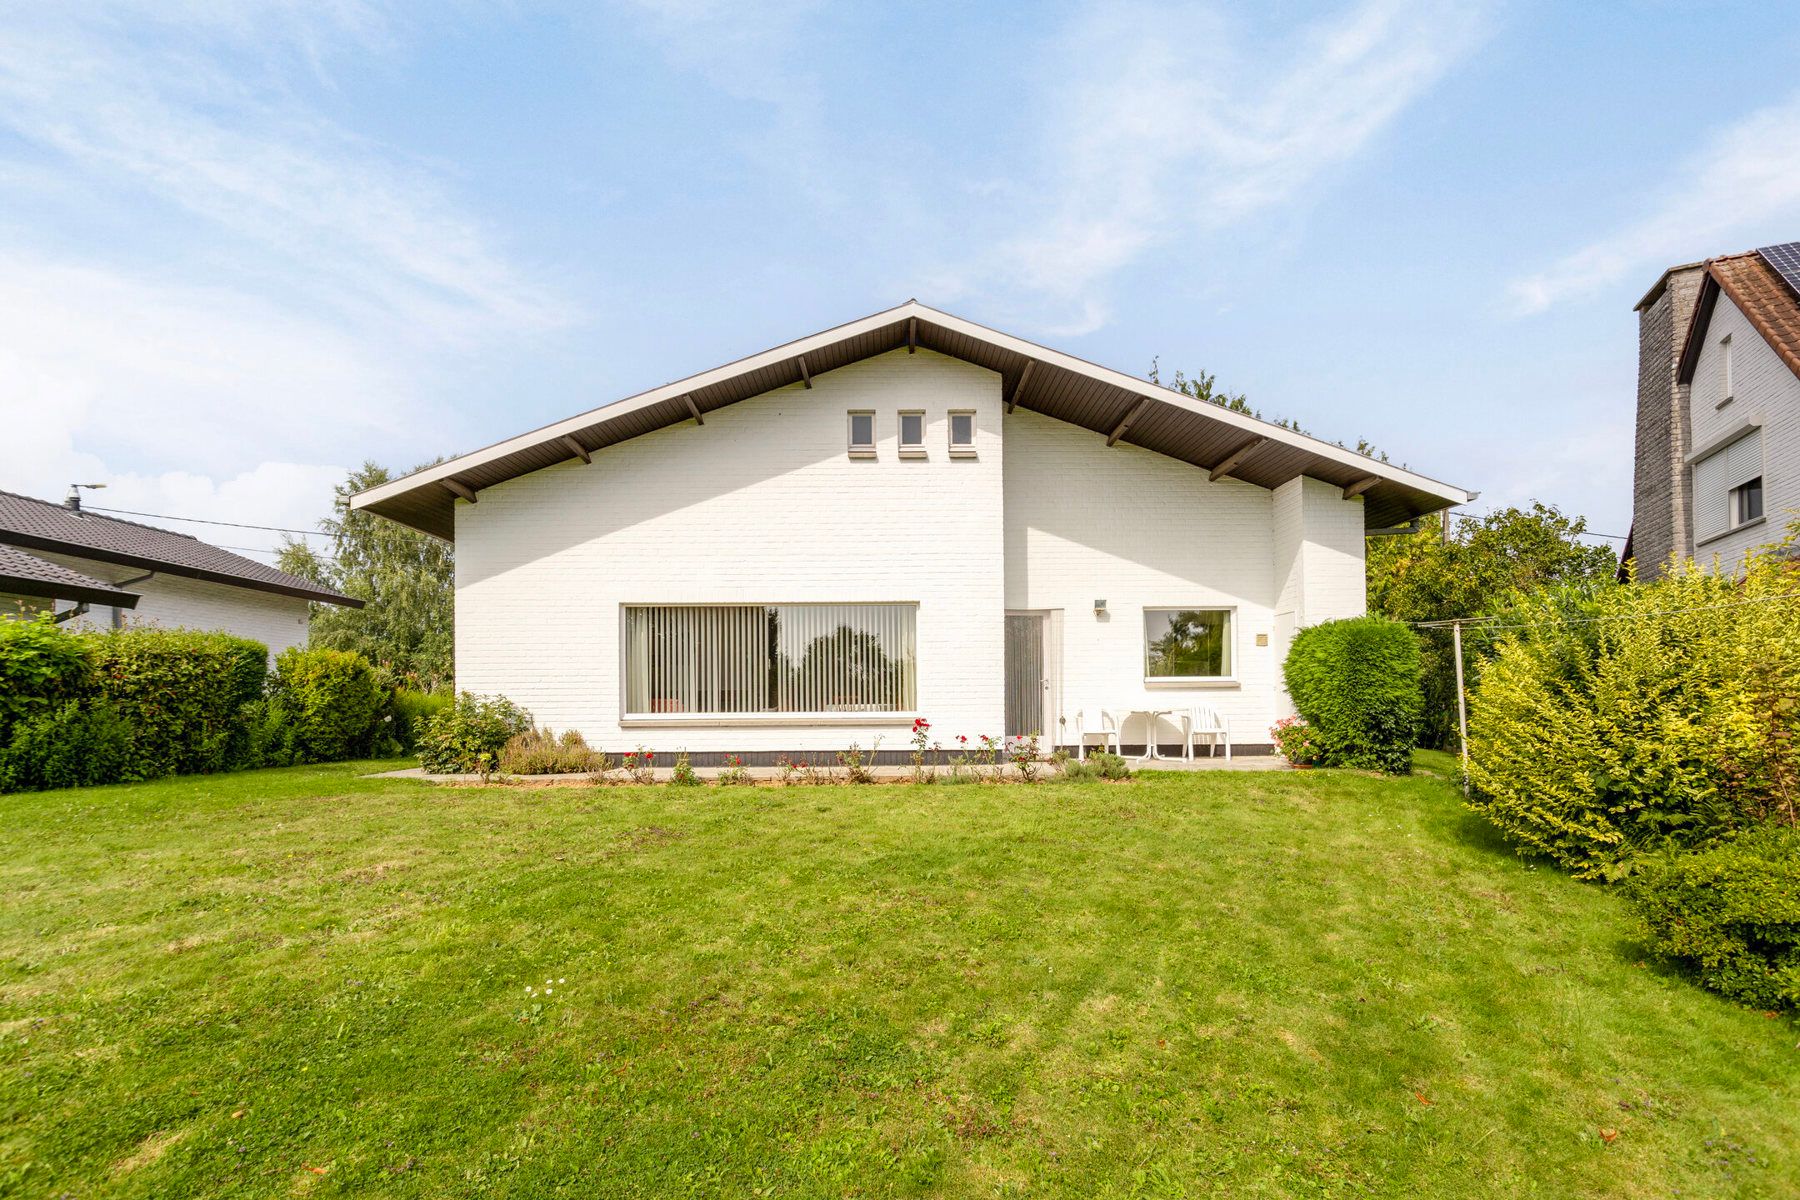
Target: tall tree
(1480, 571)
(405, 579)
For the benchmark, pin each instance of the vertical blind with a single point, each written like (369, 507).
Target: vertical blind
(1714, 478)
(780, 658)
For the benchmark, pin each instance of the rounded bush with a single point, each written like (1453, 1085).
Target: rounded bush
(470, 734)
(1356, 682)
(1730, 913)
(330, 701)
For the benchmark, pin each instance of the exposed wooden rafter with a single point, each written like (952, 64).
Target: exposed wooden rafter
(577, 449)
(805, 375)
(460, 490)
(912, 334)
(687, 398)
(1361, 486)
(1124, 424)
(1230, 461)
(1012, 401)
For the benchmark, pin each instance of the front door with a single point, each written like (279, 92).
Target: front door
(1027, 680)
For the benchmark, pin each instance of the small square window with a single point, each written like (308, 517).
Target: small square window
(962, 433)
(912, 431)
(862, 434)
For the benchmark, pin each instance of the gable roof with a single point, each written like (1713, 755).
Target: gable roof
(1757, 283)
(1033, 377)
(25, 574)
(34, 524)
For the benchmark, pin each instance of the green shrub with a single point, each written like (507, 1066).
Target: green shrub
(1730, 913)
(331, 702)
(42, 666)
(410, 711)
(78, 744)
(542, 752)
(1662, 714)
(180, 691)
(1356, 682)
(1102, 764)
(469, 735)
(1295, 741)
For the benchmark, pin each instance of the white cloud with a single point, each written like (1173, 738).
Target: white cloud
(1165, 126)
(1742, 187)
(276, 289)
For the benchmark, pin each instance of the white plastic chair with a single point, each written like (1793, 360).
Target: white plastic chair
(1106, 730)
(1205, 721)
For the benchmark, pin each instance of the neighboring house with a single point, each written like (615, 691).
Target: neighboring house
(97, 571)
(910, 514)
(1718, 417)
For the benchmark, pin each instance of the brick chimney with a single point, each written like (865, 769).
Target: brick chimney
(1660, 514)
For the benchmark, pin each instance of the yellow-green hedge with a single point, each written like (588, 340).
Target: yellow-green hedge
(1642, 716)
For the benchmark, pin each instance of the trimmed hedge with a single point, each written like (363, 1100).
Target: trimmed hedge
(1731, 914)
(141, 703)
(42, 666)
(181, 692)
(78, 744)
(1356, 682)
(330, 703)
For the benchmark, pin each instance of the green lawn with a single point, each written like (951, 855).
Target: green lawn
(1271, 984)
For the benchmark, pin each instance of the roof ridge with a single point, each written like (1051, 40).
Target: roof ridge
(88, 512)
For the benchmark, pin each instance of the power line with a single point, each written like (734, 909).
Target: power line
(205, 521)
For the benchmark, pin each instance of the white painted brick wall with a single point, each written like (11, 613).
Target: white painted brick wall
(1763, 388)
(1085, 521)
(763, 505)
(173, 602)
(759, 505)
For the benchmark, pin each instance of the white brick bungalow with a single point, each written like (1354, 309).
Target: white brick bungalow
(98, 572)
(908, 515)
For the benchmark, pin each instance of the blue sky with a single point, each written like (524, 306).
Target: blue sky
(246, 245)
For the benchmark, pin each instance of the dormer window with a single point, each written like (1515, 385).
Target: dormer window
(912, 435)
(862, 435)
(962, 434)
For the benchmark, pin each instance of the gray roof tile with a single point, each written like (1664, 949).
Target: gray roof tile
(41, 525)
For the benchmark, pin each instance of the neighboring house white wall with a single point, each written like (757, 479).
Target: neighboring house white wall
(1764, 391)
(762, 504)
(172, 601)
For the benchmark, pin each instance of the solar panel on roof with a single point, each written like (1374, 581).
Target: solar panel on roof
(1785, 259)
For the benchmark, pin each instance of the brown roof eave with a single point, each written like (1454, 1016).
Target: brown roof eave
(161, 567)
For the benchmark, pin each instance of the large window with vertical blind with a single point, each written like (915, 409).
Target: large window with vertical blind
(1728, 487)
(747, 659)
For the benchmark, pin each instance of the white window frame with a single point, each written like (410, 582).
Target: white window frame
(1230, 678)
(912, 449)
(1735, 499)
(1728, 385)
(961, 449)
(857, 449)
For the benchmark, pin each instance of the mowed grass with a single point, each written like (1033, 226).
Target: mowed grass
(1273, 984)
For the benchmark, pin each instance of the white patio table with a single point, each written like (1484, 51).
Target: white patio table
(1151, 717)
